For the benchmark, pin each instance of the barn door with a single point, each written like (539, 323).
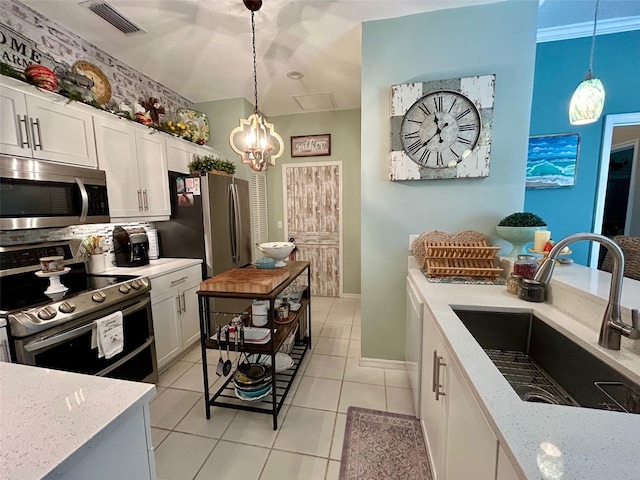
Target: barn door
(313, 213)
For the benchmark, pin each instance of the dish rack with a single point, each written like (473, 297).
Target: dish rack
(461, 259)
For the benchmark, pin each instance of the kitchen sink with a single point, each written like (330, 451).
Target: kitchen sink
(543, 365)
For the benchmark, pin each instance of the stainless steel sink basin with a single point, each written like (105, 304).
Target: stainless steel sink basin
(543, 365)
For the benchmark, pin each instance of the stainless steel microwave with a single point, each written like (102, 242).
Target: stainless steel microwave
(41, 194)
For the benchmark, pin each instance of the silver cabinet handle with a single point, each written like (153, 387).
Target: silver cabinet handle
(140, 200)
(434, 371)
(146, 202)
(184, 304)
(439, 363)
(176, 282)
(179, 306)
(36, 123)
(24, 139)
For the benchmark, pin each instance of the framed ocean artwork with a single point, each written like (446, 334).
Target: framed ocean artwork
(551, 160)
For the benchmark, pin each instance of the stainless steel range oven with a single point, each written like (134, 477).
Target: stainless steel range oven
(56, 330)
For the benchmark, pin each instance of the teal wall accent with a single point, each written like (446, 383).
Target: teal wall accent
(344, 127)
(495, 38)
(560, 66)
(224, 116)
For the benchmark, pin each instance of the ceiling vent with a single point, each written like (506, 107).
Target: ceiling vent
(115, 18)
(315, 101)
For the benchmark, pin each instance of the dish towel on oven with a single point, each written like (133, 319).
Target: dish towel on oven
(108, 335)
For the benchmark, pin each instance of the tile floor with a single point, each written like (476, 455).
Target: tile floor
(240, 445)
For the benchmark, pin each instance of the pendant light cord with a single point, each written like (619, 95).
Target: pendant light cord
(255, 74)
(593, 39)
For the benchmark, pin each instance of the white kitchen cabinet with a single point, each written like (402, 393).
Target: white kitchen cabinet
(135, 163)
(180, 153)
(505, 470)
(460, 442)
(45, 126)
(413, 343)
(174, 306)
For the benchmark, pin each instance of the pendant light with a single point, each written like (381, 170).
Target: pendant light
(255, 139)
(587, 101)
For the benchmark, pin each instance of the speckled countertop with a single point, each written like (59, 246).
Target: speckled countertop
(48, 417)
(595, 444)
(155, 268)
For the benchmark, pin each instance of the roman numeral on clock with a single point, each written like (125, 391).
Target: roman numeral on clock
(439, 158)
(411, 135)
(463, 140)
(437, 101)
(462, 114)
(424, 109)
(452, 104)
(415, 146)
(467, 127)
(454, 153)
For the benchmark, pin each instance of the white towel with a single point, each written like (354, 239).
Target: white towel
(108, 335)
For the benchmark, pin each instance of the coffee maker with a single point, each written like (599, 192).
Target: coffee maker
(130, 247)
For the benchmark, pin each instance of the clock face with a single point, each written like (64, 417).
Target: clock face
(441, 129)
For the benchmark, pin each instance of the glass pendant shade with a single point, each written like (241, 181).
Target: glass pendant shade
(587, 102)
(257, 142)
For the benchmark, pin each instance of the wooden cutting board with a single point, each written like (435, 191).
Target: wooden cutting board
(246, 280)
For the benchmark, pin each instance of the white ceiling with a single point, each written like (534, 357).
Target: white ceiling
(202, 48)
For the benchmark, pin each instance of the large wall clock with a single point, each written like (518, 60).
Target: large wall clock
(441, 129)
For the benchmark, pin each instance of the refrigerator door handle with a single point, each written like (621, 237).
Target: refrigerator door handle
(232, 224)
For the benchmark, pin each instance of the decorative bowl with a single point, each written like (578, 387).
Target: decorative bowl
(277, 251)
(518, 237)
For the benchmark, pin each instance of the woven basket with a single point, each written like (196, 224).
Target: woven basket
(630, 247)
(461, 259)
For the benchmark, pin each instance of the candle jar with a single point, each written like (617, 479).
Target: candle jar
(525, 266)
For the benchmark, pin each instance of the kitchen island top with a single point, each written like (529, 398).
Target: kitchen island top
(594, 444)
(50, 419)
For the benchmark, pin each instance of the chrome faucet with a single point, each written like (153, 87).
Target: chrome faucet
(612, 325)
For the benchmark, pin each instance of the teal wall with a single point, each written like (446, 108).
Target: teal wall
(560, 66)
(495, 38)
(344, 127)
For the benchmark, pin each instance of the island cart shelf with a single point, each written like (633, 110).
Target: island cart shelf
(298, 321)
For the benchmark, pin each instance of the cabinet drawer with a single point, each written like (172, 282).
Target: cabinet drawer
(177, 279)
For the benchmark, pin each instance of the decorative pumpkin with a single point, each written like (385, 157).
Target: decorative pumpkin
(41, 77)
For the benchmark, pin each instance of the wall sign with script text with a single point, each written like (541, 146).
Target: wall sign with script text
(311, 145)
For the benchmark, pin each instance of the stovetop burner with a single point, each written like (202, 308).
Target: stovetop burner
(26, 290)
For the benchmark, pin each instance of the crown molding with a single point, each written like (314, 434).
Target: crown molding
(585, 29)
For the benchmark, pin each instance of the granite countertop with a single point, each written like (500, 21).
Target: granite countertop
(595, 444)
(155, 268)
(49, 417)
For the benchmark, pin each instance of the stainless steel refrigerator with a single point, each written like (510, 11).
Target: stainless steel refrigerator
(210, 219)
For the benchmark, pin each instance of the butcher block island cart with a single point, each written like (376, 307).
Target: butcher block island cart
(251, 283)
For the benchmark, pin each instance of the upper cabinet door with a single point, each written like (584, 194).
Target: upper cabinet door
(179, 155)
(152, 169)
(116, 144)
(60, 132)
(14, 122)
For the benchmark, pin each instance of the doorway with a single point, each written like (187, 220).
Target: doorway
(608, 156)
(313, 219)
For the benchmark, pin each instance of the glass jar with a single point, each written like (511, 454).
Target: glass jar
(513, 284)
(525, 266)
(531, 291)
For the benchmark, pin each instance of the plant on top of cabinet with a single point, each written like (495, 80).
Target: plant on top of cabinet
(210, 163)
(522, 219)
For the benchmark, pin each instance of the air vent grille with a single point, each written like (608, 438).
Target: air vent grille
(115, 18)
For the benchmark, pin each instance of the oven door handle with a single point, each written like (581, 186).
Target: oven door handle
(52, 340)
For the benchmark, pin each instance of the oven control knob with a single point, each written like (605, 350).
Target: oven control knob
(98, 297)
(47, 313)
(124, 288)
(66, 307)
(136, 284)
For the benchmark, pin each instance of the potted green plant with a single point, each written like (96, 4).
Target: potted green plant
(210, 163)
(519, 229)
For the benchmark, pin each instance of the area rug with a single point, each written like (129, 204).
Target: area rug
(383, 446)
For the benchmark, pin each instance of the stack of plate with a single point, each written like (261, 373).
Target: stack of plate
(252, 381)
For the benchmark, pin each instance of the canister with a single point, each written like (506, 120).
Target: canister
(259, 313)
(513, 284)
(531, 290)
